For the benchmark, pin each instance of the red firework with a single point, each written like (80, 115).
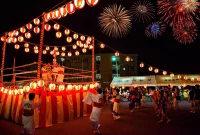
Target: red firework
(186, 33)
(174, 12)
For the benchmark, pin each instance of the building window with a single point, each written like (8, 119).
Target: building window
(131, 59)
(115, 75)
(85, 60)
(131, 67)
(124, 69)
(98, 76)
(98, 58)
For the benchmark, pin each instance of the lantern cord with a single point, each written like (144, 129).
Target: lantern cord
(58, 5)
(21, 66)
(26, 77)
(27, 80)
(27, 72)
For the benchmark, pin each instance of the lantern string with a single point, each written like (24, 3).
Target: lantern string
(58, 5)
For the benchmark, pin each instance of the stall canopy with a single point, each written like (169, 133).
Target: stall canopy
(133, 81)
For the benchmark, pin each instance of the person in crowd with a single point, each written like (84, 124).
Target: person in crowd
(28, 114)
(176, 98)
(132, 101)
(116, 105)
(191, 99)
(96, 111)
(197, 98)
(106, 95)
(143, 97)
(163, 108)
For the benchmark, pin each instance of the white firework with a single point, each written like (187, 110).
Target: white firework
(190, 5)
(115, 21)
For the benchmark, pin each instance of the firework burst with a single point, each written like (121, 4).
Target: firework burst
(173, 13)
(142, 11)
(190, 5)
(155, 29)
(185, 33)
(115, 21)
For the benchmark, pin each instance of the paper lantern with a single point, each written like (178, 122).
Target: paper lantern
(2, 89)
(77, 53)
(36, 51)
(44, 52)
(47, 17)
(61, 87)
(198, 79)
(58, 34)
(74, 46)
(36, 30)
(16, 33)
(47, 27)
(40, 83)
(150, 68)
(14, 40)
(35, 47)
(20, 38)
(81, 44)
(56, 14)
(63, 11)
(102, 46)
(52, 86)
(141, 65)
(67, 32)
(92, 2)
(51, 52)
(69, 39)
(26, 49)
(75, 36)
(172, 75)
(3, 38)
(10, 34)
(33, 85)
(63, 48)
(29, 26)
(56, 26)
(127, 58)
(63, 54)
(26, 45)
(89, 39)
(57, 53)
(69, 87)
(79, 4)
(69, 54)
(85, 45)
(82, 38)
(92, 86)
(36, 21)
(90, 47)
(9, 40)
(117, 54)
(84, 50)
(47, 48)
(185, 77)
(78, 43)
(22, 29)
(70, 8)
(27, 35)
(179, 77)
(192, 79)
(156, 70)
(26, 88)
(164, 72)
(56, 48)
(17, 46)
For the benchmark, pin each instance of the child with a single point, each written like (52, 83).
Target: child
(28, 114)
(116, 105)
(96, 111)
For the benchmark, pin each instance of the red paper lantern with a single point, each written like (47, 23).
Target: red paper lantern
(92, 2)
(70, 8)
(79, 4)
(47, 27)
(63, 11)
(36, 30)
(56, 14)
(29, 26)
(47, 17)
(28, 35)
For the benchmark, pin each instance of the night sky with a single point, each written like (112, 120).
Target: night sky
(164, 52)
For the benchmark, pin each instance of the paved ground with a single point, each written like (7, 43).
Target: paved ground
(142, 122)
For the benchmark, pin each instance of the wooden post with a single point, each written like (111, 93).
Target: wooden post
(41, 47)
(14, 75)
(93, 61)
(3, 56)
